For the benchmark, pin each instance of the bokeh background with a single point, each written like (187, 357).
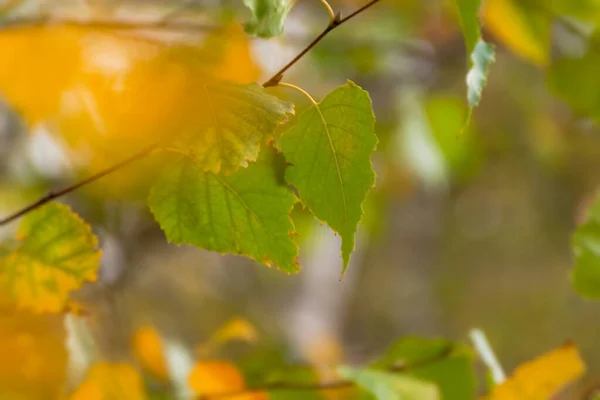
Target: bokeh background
(466, 228)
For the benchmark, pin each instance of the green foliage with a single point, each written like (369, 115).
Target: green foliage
(241, 118)
(329, 152)
(55, 254)
(390, 386)
(586, 247)
(243, 213)
(448, 365)
(481, 54)
(268, 16)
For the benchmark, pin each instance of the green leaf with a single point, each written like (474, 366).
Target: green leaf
(586, 247)
(448, 365)
(329, 150)
(242, 117)
(481, 54)
(390, 386)
(244, 213)
(268, 16)
(56, 254)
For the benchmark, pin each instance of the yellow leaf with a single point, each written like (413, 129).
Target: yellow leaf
(235, 329)
(56, 254)
(543, 377)
(149, 351)
(106, 381)
(211, 378)
(519, 28)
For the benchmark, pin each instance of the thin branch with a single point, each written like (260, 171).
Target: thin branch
(329, 10)
(273, 81)
(337, 21)
(333, 385)
(50, 196)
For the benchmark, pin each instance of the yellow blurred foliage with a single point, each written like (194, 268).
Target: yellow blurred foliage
(235, 329)
(34, 358)
(111, 381)
(211, 378)
(109, 93)
(516, 27)
(149, 352)
(542, 378)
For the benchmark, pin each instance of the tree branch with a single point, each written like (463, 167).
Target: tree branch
(337, 21)
(340, 384)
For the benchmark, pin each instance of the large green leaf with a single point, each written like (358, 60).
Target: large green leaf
(448, 365)
(240, 119)
(268, 16)
(244, 213)
(55, 254)
(586, 246)
(329, 150)
(390, 386)
(481, 54)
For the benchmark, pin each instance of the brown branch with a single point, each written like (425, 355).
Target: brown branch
(142, 154)
(333, 385)
(337, 21)
(54, 195)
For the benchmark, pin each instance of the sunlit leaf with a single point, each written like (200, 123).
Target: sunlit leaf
(586, 247)
(390, 386)
(542, 378)
(219, 378)
(111, 381)
(523, 29)
(244, 213)
(268, 16)
(55, 255)
(242, 118)
(448, 365)
(149, 351)
(329, 150)
(481, 54)
(236, 329)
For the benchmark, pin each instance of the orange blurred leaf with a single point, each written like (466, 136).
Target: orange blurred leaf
(111, 381)
(211, 378)
(149, 351)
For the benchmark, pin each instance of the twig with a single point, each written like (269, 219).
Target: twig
(340, 384)
(487, 355)
(54, 195)
(337, 21)
(273, 81)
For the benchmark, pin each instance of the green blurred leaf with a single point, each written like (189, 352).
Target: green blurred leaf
(242, 118)
(55, 255)
(586, 247)
(390, 386)
(467, 13)
(244, 213)
(576, 80)
(448, 365)
(268, 16)
(329, 149)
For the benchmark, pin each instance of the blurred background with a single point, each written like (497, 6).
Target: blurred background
(464, 229)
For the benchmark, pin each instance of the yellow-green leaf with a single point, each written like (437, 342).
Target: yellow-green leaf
(242, 117)
(586, 247)
(542, 378)
(329, 150)
(56, 253)
(244, 213)
(268, 16)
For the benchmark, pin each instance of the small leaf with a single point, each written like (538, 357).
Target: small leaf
(268, 16)
(329, 150)
(244, 213)
(219, 378)
(390, 386)
(481, 54)
(586, 247)
(236, 329)
(542, 378)
(56, 254)
(149, 351)
(242, 117)
(111, 381)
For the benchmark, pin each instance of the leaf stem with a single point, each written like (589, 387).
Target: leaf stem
(299, 89)
(332, 25)
(53, 195)
(329, 10)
